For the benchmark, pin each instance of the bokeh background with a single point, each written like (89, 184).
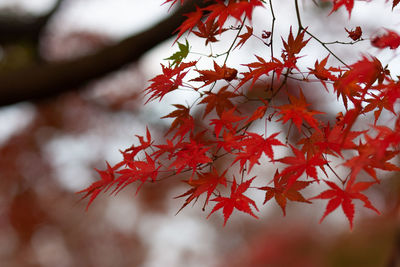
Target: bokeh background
(51, 142)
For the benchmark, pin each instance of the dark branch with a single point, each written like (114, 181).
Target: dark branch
(46, 80)
(21, 27)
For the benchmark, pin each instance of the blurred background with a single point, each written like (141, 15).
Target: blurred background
(72, 74)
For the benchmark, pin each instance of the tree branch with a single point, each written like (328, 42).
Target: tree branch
(19, 27)
(49, 79)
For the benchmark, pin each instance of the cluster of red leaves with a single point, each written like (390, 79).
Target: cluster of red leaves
(194, 146)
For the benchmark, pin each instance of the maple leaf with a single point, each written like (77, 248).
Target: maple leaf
(206, 182)
(339, 197)
(230, 140)
(236, 200)
(137, 171)
(349, 4)
(372, 155)
(354, 34)
(226, 120)
(193, 18)
(377, 104)
(143, 144)
(300, 164)
(170, 148)
(331, 140)
(235, 9)
(322, 73)
(390, 39)
(219, 73)
(167, 82)
(107, 180)
(293, 46)
(220, 101)
(245, 36)
(183, 122)
(259, 112)
(282, 192)
(190, 154)
(364, 72)
(208, 31)
(253, 146)
(297, 111)
(177, 57)
(261, 68)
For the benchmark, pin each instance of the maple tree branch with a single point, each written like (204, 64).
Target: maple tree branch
(326, 47)
(20, 27)
(234, 41)
(271, 42)
(313, 36)
(45, 80)
(296, 3)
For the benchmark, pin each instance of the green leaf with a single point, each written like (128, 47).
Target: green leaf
(177, 57)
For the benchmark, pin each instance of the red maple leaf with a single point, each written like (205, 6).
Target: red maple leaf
(167, 82)
(236, 200)
(339, 197)
(190, 155)
(206, 182)
(282, 192)
(261, 68)
(219, 101)
(253, 146)
(259, 112)
(107, 180)
(245, 36)
(208, 31)
(349, 4)
(133, 150)
(300, 164)
(322, 73)
(235, 9)
(226, 120)
(332, 140)
(293, 46)
(137, 171)
(193, 18)
(230, 140)
(354, 34)
(390, 39)
(183, 122)
(219, 73)
(372, 155)
(297, 111)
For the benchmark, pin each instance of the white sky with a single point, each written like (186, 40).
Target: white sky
(114, 17)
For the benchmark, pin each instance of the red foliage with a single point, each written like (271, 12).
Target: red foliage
(235, 200)
(390, 39)
(226, 133)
